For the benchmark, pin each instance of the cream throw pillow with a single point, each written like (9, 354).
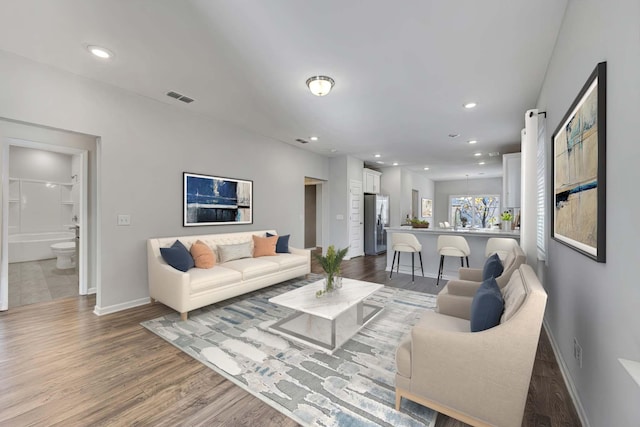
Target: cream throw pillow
(231, 252)
(514, 295)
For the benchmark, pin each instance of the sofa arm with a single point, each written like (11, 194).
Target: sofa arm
(463, 287)
(166, 284)
(472, 274)
(454, 305)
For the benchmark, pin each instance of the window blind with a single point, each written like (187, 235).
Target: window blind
(541, 237)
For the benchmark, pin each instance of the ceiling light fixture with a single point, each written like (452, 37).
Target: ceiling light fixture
(426, 169)
(100, 52)
(470, 105)
(477, 154)
(481, 163)
(472, 141)
(395, 163)
(313, 138)
(320, 85)
(377, 156)
(380, 162)
(334, 150)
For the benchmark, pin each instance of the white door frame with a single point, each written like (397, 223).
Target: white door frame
(83, 211)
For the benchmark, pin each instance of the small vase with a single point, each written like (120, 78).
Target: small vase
(506, 225)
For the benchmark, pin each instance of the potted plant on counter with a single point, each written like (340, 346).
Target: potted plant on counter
(506, 217)
(331, 265)
(417, 223)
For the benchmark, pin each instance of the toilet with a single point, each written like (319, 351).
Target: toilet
(65, 252)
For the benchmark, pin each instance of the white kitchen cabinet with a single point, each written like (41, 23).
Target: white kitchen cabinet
(371, 181)
(511, 177)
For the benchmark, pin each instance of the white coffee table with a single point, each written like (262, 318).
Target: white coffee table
(326, 323)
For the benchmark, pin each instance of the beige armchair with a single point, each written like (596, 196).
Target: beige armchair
(480, 378)
(456, 296)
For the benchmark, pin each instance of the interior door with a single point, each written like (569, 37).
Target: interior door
(356, 219)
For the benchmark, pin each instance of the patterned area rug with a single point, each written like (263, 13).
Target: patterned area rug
(352, 387)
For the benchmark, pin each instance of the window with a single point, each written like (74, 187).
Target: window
(477, 210)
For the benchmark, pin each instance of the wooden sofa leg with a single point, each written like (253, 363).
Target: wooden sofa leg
(398, 400)
(183, 316)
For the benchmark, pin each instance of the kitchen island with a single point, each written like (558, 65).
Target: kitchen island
(428, 237)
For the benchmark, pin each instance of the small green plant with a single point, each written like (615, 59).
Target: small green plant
(506, 216)
(419, 223)
(331, 265)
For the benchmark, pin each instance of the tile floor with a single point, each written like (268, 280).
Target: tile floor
(40, 281)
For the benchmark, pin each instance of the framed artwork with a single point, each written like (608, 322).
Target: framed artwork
(212, 200)
(427, 208)
(579, 170)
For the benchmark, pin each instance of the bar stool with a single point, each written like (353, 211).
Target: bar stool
(405, 242)
(499, 245)
(452, 246)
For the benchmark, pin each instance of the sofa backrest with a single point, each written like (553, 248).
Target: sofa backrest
(212, 240)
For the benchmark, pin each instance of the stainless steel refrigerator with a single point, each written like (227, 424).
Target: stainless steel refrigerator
(376, 217)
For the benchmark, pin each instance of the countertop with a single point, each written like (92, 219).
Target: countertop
(490, 232)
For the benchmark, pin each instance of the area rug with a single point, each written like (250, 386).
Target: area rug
(352, 387)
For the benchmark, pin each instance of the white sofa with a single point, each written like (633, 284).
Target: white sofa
(199, 287)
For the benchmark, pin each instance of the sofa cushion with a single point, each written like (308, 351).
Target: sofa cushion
(514, 294)
(282, 247)
(236, 251)
(287, 260)
(492, 267)
(177, 256)
(264, 246)
(252, 267)
(487, 306)
(206, 279)
(203, 256)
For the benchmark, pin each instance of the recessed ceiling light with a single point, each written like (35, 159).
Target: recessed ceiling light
(470, 105)
(454, 135)
(313, 138)
(477, 154)
(100, 52)
(481, 163)
(377, 156)
(334, 150)
(395, 163)
(472, 141)
(380, 162)
(426, 169)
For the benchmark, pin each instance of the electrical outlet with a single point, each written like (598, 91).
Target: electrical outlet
(577, 352)
(124, 219)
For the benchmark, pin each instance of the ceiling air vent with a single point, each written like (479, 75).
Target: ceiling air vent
(302, 141)
(179, 97)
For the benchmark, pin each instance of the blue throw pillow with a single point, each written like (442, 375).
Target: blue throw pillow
(492, 267)
(487, 306)
(177, 256)
(282, 247)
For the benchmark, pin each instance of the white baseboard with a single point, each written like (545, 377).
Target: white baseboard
(101, 311)
(564, 370)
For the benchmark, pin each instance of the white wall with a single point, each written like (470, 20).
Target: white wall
(145, 147)
(444, 189)
(599, 303)
(39, 165)
(398, 183)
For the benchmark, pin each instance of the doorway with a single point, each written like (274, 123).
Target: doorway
(312, 213)
(38, 208)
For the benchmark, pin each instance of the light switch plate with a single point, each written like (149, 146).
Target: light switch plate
(124, 219)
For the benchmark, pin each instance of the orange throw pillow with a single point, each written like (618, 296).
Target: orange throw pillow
(202, 255)
(264, 246)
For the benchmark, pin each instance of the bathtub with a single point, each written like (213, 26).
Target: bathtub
(35, 246)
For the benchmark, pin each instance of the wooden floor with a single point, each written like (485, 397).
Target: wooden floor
(62, 365)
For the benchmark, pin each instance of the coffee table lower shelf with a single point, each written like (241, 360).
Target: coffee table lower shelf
(324, 334)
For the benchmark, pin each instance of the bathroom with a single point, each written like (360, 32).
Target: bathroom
(44, 202)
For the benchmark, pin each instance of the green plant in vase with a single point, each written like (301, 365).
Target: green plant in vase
(331, 265)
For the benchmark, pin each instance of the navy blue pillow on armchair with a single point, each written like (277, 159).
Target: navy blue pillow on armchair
(177, 256)
(492, 267)
(487, 306)
(282, 247)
